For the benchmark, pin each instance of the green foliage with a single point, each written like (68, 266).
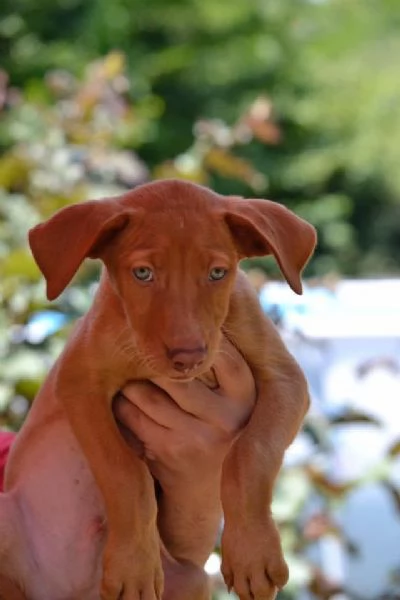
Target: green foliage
(329, 70)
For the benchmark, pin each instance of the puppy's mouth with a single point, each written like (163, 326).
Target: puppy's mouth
(203, 370)
(209, 378)
(183, 378)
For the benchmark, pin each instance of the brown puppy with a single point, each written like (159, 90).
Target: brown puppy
(170, 289)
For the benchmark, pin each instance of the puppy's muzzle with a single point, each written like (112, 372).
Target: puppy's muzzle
(185, 360)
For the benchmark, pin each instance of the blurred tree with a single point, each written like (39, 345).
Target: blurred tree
(328, 68)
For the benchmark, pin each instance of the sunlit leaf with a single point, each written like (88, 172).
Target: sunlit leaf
(14, 172)
(228, 165)
(28, 387)
(318, 525)
(323, 588)
(20, 263)
(113, 64)
(327, 486)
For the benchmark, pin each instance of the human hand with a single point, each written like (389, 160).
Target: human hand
(186, 429)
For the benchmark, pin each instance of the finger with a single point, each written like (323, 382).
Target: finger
(128, 415)
(227, 407)
(235, 379)
(201, 403)
(234, 375)
(157, 405)
(139, 424)
(187, 395)
(131, 439)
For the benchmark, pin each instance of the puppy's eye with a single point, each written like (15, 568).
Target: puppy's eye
(143, 274)
(217, 273)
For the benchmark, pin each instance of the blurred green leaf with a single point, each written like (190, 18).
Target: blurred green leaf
(19, 263)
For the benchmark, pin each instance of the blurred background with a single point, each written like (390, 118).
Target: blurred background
(293, 100)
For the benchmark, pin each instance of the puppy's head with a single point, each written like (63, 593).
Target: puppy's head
(171, 250)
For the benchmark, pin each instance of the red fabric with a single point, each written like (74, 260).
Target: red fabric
(6, 439)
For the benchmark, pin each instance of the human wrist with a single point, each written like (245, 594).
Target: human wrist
(190, 482)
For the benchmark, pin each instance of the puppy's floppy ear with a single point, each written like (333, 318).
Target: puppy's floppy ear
(261, 227)
(75, 232)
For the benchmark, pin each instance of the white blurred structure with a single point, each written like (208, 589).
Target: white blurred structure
(347, 340)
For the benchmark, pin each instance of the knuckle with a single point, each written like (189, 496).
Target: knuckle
(196, 444)
(231, 429)
(201, 444)
(279, 574)
(177, 451)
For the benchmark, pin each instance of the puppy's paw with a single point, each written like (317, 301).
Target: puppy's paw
(252, 561)
(132, 572)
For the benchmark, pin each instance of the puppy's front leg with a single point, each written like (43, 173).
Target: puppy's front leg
(253, 562)
(131, 563)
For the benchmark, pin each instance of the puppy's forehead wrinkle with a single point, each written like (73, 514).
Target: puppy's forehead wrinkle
(170, 243)
(164, 213)
(169, 225)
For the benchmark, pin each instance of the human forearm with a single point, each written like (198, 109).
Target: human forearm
(189, 519)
